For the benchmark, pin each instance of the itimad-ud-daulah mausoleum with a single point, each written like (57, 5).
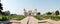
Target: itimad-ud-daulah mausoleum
(30, 12)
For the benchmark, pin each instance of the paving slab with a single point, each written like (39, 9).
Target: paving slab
(29, 20)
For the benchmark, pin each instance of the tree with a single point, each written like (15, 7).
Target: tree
(6, 13)
(48, 13)
(38, 13)
(3, 13)
(57, 12)
(1, 8)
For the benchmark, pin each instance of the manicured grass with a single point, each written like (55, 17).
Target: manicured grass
(56, 18)
(38, 17)
(5, 18)
(17, 17)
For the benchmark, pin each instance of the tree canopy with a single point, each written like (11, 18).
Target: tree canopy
(48, 13)
(38, 13)
(57, 12)
(1, 8)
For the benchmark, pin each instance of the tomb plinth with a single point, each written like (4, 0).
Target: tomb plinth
(30, 12)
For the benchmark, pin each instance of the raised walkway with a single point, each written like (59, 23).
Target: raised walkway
(29, 20)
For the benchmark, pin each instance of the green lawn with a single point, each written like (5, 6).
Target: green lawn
(56, 18)
(4, 18)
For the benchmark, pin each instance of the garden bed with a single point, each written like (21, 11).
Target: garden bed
(56, 18)
(5, 18)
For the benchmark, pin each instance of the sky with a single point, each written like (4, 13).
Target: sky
(42, 6)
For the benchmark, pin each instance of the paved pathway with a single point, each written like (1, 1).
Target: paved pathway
(29, 20)
(24, 21)
(32, 20)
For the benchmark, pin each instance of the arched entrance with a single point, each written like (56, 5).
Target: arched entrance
(30, 14)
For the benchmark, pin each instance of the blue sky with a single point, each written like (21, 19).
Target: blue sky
(43, 6)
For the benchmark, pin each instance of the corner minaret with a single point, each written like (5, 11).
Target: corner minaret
(35, 12)
(25, 13)
(24, 10)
